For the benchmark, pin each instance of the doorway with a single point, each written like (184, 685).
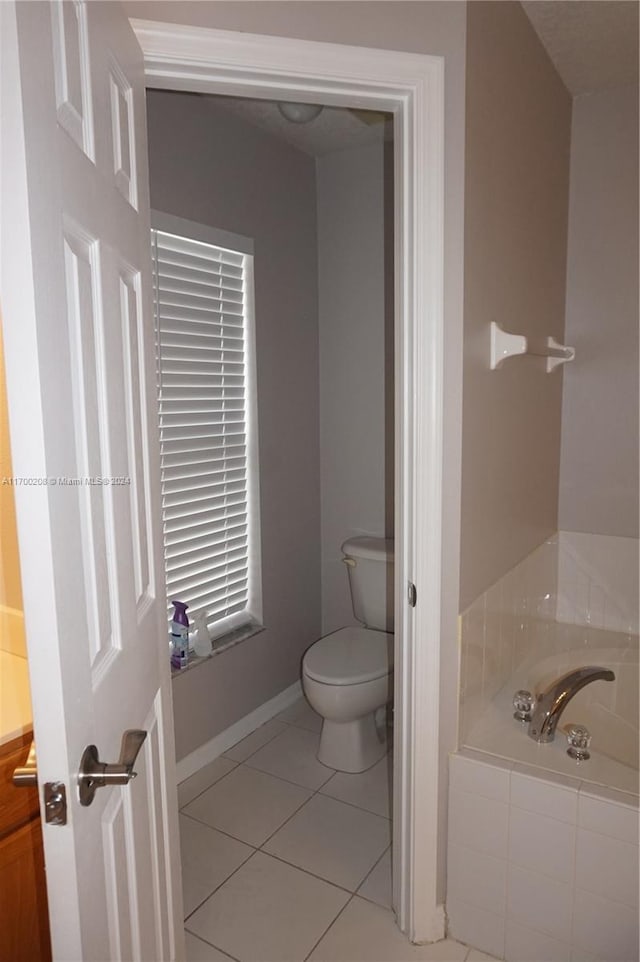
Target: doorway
(315, 217)
(410, 87)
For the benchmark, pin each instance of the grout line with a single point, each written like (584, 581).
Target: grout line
(331, 924)
(221, 831)
(205, 942)
(287, 780)
(373, 868)
(299, 868)
(215, 782)
(315, 792)
(236, 763)
(236, 869)
(297, 810)
(220, 884)
(264, 745)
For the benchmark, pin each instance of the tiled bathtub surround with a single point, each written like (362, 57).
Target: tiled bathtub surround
(571, 581)
(540, 868)
(598, 581)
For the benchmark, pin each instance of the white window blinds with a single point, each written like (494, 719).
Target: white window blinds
(201, 301)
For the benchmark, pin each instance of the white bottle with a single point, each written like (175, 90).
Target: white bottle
(202, 641)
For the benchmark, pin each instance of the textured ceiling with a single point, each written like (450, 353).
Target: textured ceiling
(593, 43)
(334, 129)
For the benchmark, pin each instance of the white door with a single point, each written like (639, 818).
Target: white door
(81, 386)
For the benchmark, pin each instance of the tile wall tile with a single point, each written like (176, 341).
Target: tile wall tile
(523, 944)
(539, 902)
(542, 844)
(598, 581)
(479, 823)
(469, 774)
(545, 795)
(608, 929)
(607, 867)
(571, 887)
(477, 879)
(475, 926)
(609, 813)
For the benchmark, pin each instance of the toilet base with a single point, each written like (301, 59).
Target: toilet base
(352, 746)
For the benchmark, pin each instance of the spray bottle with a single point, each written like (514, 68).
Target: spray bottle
(179, 635)
(202, 640)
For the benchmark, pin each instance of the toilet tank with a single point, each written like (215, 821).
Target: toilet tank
(369, 563)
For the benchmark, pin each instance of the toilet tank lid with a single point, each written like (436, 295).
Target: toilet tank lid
(371, 549)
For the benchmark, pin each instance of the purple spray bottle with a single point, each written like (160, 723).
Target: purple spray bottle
(179, 635)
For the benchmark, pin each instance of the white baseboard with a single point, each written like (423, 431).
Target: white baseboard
(206, 753)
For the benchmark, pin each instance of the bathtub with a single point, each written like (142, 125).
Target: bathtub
(608, 709)
(542, 855)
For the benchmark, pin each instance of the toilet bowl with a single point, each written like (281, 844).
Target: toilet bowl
(347, 676)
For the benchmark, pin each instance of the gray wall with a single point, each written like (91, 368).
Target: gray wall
(516, 201)
(356, 380)
(599, 465)
(210, 166)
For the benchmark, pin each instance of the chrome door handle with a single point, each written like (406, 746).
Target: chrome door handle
(26, 776)
(94, 774)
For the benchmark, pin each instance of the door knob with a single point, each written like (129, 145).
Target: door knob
(94, 774)
(26, 776)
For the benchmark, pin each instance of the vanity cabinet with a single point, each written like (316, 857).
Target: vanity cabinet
(24, 919)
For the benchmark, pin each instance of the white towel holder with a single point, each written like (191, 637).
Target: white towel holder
(505, 345)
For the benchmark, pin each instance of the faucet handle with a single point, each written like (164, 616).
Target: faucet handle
(579, 739)
(523, 702)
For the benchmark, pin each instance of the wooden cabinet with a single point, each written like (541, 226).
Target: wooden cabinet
(24, 919)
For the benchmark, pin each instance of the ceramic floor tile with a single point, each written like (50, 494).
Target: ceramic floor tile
(476, 956)
(370, 790)
(199, 951)
(191, 787)
(364, 932)
(208, 859)
(302, 715)
(377, 887)
(268, 912)
(261, 736)
(248, 804)
(338, 842)
(292, 756)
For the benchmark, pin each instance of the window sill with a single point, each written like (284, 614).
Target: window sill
(221, 644)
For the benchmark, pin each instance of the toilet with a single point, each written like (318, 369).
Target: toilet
(347, 676)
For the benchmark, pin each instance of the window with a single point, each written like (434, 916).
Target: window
(203, 302)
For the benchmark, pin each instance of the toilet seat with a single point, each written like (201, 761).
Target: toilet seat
(350, 656)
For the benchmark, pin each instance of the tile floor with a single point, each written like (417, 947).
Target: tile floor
(285, 860)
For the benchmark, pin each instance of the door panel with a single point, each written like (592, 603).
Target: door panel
(81, 384)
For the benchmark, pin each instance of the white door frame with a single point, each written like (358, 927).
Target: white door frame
(412, 87)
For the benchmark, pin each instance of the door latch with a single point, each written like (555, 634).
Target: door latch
(94, 774)
(55, 803)
(412, 594)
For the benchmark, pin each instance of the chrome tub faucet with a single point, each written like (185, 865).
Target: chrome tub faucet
(551, 703)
